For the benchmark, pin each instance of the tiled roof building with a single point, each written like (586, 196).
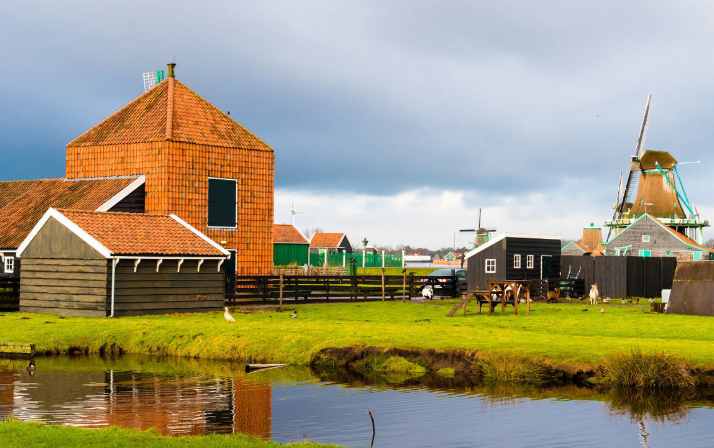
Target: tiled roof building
(287, 233)
(22, 203)
(185, 146)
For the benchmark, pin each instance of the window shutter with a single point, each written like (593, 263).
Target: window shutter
(222, 203)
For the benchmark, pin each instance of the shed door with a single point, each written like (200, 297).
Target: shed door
(546, 267)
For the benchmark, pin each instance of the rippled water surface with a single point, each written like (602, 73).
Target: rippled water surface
(178, 397)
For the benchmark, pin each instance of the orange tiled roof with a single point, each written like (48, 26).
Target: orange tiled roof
(287, 233)
(11, 190)
(582, 247)
(141, 234)
(19, 216)
(326, 239)
(170, 112)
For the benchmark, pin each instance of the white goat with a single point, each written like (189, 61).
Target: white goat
(594, 295)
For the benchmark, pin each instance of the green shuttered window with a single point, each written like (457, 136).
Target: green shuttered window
(222, 203)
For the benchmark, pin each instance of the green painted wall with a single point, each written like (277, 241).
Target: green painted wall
(286, 254)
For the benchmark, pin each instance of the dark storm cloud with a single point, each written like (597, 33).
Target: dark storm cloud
(507, 98)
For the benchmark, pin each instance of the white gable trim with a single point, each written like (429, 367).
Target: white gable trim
(74, 228)
(201, 235)
(141, 180)
(511, 235)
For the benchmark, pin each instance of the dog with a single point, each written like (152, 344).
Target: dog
(553, 296)
(427, 292)
(594, 295)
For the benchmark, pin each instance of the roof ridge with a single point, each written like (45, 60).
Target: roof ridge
(154, 215)
(170, 110)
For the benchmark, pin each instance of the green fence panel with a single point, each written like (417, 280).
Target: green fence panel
(317, 259)
(289, 254)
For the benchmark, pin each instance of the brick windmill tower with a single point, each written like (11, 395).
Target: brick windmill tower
(660, 192)
(198, 163)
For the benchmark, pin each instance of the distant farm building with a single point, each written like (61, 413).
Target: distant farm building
(514, 256)
(647, 236)
(693, 289)
(575, 248)
(290, 247)
(331, 243)
(99, 264)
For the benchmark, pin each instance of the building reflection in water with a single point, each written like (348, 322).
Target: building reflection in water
(171, 405)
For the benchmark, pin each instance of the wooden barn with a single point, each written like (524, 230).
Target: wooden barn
(290, 247)
(514, 256)
(99, 264)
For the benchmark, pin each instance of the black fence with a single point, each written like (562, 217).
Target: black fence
(320, 288)
(9, 294)
(620, 277)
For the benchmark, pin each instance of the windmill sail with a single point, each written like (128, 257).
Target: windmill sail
(643, 130)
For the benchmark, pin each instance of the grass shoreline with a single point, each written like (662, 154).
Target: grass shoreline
(16, 433)
(565, 338)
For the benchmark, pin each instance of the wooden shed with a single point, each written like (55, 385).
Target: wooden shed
(290, 247)
(514, 256)
(99, 264)
(330, 242)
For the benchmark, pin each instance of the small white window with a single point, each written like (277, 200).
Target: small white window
(645, 238)
(490, 265)
(9, 265)
(517, 261)
(529, 262)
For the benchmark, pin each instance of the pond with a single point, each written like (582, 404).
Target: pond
(181, 397)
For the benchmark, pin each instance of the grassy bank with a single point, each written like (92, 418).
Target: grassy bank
(17, 434)
(562, 334)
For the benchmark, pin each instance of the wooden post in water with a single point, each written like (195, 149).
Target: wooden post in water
(404, 285)
(281, 292)
(382, 284)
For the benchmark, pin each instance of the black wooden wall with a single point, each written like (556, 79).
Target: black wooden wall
(134, 202)
(620, 277)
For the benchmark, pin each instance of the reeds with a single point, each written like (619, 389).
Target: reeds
(512, 368)
(651, 370)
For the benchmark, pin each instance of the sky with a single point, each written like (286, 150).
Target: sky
(393, 121)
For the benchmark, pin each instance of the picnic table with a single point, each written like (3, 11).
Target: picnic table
(497, 289)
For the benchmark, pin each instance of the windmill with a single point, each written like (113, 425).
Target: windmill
(482, 235)
(660, 193)
(293, 213)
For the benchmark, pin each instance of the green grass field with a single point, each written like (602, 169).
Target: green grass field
(562, 333)
(17, 434)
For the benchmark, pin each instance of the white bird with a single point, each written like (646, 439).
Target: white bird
(651, 300)
(606, 300)
(522, 300)
(228, 317)
(624, 301)
(602, 311)
(293, 315)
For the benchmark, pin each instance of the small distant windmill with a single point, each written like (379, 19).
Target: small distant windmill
(151, 79)
(482, 235)
(293, 213)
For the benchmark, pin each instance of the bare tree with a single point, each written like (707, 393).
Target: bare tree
(310, 231)
(709, 243)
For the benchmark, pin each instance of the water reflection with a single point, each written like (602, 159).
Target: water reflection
(182, 397)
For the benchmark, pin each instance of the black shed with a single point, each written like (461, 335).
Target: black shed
(514, 256)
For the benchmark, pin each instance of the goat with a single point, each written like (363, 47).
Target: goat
(553, 296)
(594, 295)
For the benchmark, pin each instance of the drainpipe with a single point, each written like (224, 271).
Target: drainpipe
(114, 270)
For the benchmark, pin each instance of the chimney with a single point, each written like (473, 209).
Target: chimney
(171, 70)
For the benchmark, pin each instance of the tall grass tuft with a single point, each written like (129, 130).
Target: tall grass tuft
(652, 370)
(512, 368)
(391, 364)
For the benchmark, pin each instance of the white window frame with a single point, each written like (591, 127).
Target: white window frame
(490, 265)
(645, 238)
(530, 261)
(207, 205)
(517, 261)
(9, 266)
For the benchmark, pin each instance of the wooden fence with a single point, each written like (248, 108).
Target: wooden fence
(620, 277)
(321, 288)
(9, 293)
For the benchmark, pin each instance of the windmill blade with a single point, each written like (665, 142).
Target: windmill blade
(479, 218)
(619, 192)
(643, 130)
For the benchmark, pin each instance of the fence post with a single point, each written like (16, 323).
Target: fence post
(364, 260)
(383, 279)
(382, 259)
(281, 293)
(344, 259)
(404, 264)
(404, 285)
(411, 284)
